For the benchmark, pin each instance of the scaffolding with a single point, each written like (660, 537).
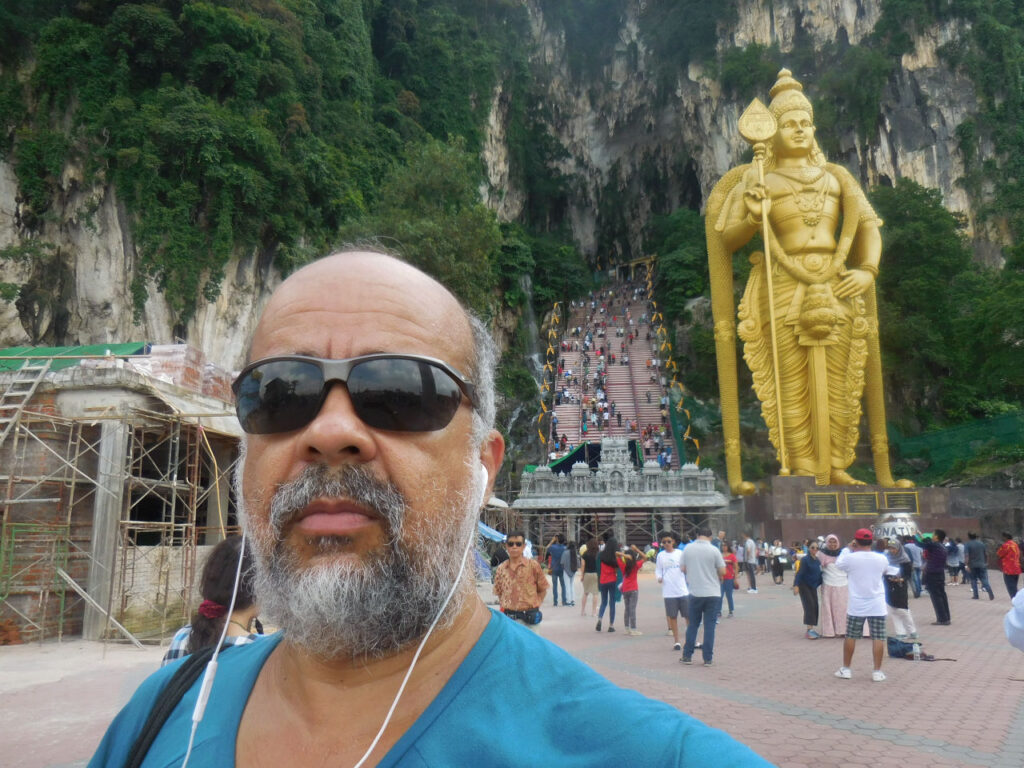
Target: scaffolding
(163, 479)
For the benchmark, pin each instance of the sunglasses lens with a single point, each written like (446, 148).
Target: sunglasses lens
(403, 395)
(278, 396)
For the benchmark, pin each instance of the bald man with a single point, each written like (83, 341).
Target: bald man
(368, 406)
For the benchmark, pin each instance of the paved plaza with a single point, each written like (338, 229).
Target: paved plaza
(769, 687)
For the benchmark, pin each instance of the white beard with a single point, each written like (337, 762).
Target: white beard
(375, 606)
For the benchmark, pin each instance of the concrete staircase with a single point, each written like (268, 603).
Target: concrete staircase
(628, 386)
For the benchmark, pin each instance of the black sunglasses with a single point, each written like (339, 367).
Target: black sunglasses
(513, 543)
(405, 393)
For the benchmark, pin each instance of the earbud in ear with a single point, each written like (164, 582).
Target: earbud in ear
(484, 479)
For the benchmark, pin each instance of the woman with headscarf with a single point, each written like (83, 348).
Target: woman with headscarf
(833, 590)
(896, 580)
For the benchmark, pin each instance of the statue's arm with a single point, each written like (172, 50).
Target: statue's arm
(866, 251)
(743, 208)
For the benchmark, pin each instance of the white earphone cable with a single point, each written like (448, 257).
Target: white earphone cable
(211, 667)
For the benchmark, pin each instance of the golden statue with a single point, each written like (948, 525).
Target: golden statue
(808, 318)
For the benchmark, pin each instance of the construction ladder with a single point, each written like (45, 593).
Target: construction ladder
(19, 391)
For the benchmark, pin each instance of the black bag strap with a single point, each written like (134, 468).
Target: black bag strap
(172, 693)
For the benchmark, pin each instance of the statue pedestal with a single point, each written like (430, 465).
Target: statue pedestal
(799, 509)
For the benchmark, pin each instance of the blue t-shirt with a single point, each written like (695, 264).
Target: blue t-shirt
(483, 716)
(555, 553)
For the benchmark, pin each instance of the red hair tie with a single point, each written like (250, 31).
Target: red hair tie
(211, 610)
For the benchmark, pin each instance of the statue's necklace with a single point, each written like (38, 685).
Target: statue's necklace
(810, 196)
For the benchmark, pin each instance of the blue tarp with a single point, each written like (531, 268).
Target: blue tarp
(489, 533)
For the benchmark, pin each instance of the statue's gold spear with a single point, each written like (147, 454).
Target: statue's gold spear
(757, 125)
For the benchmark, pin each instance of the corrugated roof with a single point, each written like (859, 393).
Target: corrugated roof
(70, 354)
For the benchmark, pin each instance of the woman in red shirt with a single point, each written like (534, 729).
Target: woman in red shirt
(1009, 562)
(632, 562)
(728, 581)
(609, 564)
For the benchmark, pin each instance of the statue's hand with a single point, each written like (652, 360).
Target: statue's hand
(757, 200)
(853, 283)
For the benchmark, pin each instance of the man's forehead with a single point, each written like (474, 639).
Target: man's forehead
(355, 303)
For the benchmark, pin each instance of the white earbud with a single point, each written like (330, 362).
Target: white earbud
(484, 479)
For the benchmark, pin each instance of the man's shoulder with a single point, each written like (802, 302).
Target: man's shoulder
(526, 710)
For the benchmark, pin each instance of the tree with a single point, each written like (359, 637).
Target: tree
(429, 210)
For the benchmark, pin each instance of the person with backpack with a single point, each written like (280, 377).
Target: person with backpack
(1009, 563)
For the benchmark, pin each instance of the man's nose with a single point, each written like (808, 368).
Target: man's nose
(337, 434)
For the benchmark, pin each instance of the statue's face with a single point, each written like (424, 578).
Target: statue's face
(795, 135)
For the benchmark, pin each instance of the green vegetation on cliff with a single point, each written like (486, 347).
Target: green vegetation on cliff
(271, 126)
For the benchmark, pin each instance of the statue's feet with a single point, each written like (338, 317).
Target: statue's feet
(841, 477)
(904, 483)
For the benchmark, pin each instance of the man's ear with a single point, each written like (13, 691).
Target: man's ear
(492, 453)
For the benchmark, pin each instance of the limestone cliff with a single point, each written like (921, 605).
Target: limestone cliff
(632, 147)
(634, 144)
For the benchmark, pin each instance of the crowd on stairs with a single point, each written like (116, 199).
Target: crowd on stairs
(609, 380)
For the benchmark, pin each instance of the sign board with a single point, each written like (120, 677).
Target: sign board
(822, 504)
(902, 500)
(862, 504)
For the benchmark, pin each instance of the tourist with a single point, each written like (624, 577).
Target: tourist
(674, 591)
(217, 584)
(704, 569)
(750, 555)
(952, 563)
(588, 554)
(935, 575)
(780, 558)
(834, 588)
(916, 561)
(554, 557)
(610, 565)
(632, 562)
(730, 581)
(1008, 555)
(361, 481)
(976, 560)
(520, 583)
(865, 570)
(570, 564)
(897, 579)
(805, 584)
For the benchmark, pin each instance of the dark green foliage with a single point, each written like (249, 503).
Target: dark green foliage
(430, 212)
(947, 325)
(747, 72)
(38, 159)
(682, 273)
(255, 125)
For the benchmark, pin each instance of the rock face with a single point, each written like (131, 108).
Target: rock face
(81, 293)
(631, 149)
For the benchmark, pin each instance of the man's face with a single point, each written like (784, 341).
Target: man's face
(338, 508)
(668, 543)
(515, 548)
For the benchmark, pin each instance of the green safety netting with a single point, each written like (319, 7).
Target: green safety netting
(71, 356)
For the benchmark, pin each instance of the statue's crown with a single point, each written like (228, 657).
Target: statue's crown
(788, 94)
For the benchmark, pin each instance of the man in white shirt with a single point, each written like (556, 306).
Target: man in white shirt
(865, 573)
(673, 584)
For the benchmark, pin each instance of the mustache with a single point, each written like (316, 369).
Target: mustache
(349, 481)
